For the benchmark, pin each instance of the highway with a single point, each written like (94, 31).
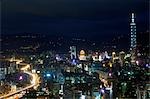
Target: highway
(34, 82)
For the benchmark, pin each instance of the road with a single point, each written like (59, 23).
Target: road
(34, 82)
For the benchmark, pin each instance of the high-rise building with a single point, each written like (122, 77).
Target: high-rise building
(73, 52)
(121, 57)
(113, 56)
(133, 32)
(82, 55)
(133, 38)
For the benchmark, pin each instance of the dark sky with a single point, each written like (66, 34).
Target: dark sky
(89, 18)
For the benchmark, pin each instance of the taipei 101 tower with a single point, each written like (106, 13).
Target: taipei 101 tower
(133, 38)
(133, 32)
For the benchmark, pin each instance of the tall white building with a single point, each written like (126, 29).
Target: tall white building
(133, 32)
(73, 52)
(133, 38)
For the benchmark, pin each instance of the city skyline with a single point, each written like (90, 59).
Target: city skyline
(74, 49)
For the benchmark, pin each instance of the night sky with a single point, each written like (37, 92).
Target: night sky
(89, 18)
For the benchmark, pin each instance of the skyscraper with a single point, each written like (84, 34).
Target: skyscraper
(73, 52)
(133, 32)
(133, 38)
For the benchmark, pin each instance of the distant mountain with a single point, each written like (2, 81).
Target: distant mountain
(40, 42)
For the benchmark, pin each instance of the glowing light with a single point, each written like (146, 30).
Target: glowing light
(103, 65)
(38, 71)
(129, 73)
(48, 75)
(100, 86)
(17, 62)
(146, 65)
(102, 90)
(83, 97)
(137, 62)
(74, 62)
(33, 71)
(110, 74)
(113, 53)
(100, 58)
(20, 78)
(110, 64)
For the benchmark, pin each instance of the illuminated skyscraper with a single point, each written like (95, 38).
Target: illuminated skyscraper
(133, 38)
(82, 55)
(133, 32)
(73, 52)
(113, 56)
